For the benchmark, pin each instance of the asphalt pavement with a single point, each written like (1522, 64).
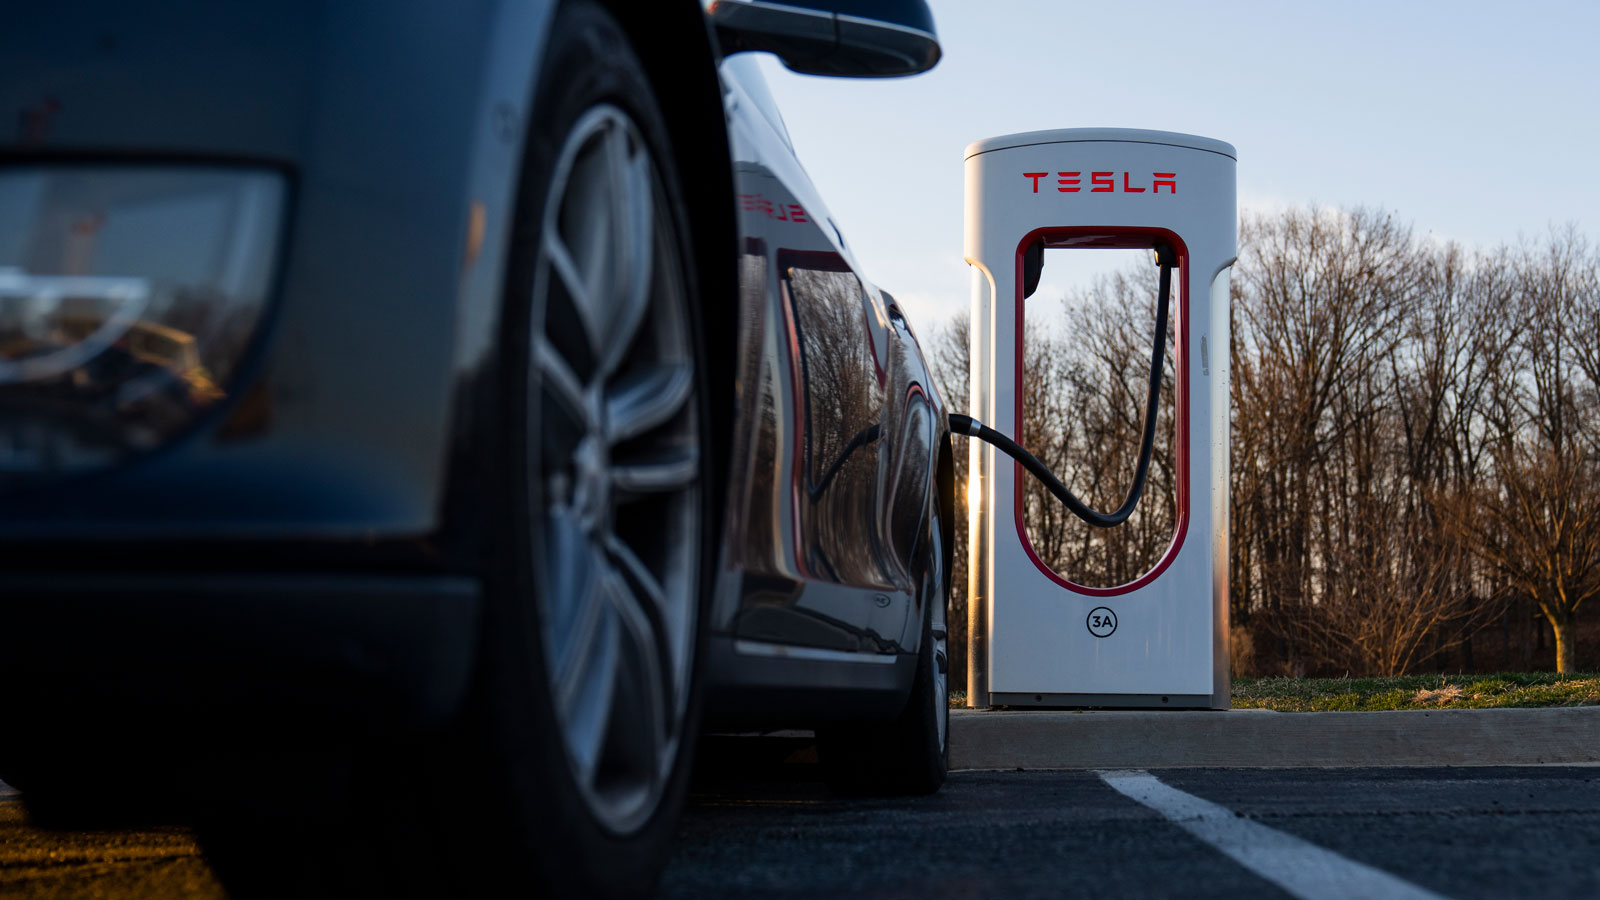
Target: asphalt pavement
(1475, 832)
(760, 824)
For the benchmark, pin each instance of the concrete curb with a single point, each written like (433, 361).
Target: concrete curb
(1039, 739)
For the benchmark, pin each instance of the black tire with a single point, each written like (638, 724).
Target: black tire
(910, 754)
(497, 807)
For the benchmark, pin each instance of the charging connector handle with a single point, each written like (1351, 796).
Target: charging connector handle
(969, 426)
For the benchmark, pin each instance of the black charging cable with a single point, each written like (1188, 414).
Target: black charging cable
(1166, 259)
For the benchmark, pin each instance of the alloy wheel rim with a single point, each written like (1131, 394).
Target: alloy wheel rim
(614, 469)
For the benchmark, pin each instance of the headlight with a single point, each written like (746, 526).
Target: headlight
(128, 296)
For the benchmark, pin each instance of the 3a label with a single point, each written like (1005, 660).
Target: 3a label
(1102, 622)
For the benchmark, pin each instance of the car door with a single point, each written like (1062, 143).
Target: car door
(813, 556)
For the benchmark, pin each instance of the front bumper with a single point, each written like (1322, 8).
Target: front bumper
(109, 667)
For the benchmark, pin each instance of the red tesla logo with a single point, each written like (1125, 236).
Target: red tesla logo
(1106, 182)
(783, 212)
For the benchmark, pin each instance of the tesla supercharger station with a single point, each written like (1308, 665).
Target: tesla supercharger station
(1036, 637)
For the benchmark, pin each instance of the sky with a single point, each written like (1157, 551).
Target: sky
(1475, 122)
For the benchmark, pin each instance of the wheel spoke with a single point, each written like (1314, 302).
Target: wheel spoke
(560, 256)
(562, 381)
(632, 211)
(572, 598)
(585, 297)
(644, 640)
(591, 693)
(669, 469)
(571, 569)
(643, 400)
(649, 592)
(641, 576)
(580, 650)
(584, 638)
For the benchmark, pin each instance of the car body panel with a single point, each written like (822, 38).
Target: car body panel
(824, 534)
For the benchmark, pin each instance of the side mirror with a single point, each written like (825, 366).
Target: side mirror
(849, 38)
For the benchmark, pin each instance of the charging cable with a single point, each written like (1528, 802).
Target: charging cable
(1165, 258)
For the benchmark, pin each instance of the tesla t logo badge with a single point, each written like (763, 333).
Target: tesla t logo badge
(1102, 622)
(1105, 182)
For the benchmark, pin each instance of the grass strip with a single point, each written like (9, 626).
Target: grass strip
(1502, 689)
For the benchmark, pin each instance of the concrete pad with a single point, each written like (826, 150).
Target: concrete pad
(1095, 739)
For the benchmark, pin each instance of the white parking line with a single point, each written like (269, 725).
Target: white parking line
(1303, 869)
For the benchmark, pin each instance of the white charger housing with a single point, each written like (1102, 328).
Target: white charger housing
(1037, 638)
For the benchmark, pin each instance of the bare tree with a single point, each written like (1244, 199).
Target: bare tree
(1398, 598)
(1085, 392)
(1322, 299)
(1537, 521)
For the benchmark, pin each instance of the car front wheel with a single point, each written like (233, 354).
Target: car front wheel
(567, 769)
(588, 701)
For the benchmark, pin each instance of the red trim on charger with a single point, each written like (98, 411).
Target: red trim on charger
(1126, 238)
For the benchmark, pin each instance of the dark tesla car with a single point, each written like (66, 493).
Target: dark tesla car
(418, 419)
